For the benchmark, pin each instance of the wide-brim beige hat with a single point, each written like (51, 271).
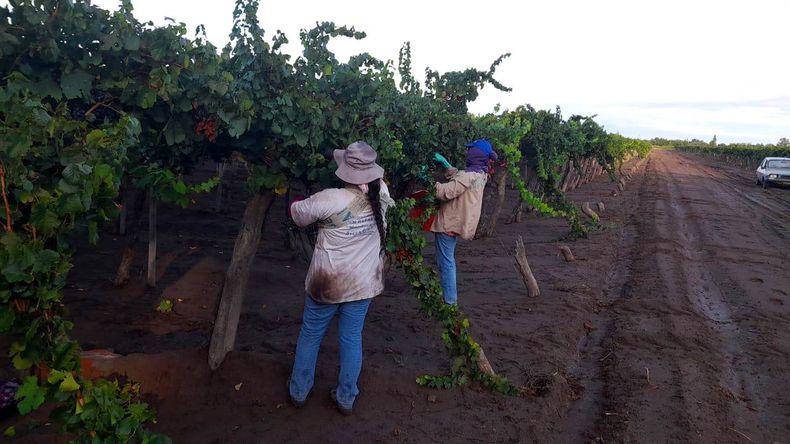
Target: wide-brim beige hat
(357, 164)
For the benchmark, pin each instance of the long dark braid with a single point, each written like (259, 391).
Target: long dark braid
(374, 196)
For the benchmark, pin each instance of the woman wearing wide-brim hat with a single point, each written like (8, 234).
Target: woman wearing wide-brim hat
(346, 271)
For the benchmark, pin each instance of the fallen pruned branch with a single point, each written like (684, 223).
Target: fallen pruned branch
(742, 434)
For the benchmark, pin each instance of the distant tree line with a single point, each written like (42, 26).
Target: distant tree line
(660, 141)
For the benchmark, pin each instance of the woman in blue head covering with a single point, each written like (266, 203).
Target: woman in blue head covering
(461, 200)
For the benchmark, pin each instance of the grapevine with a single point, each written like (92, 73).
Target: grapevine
(92, 98)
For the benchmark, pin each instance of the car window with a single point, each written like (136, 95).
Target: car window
(778, 164)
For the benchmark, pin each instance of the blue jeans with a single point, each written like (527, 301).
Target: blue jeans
(445, 259)
(315, 322)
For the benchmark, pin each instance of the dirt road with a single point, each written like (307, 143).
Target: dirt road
(673, 325)
(695, 343)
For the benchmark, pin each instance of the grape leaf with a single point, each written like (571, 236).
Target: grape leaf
(76, 84)
(30, 395)
(69, 384)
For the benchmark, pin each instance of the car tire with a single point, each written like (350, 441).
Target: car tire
(765, 184)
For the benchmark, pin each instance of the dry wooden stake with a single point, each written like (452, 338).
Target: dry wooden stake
(567, 254)
(223, 337)
(601, 207)
(483, 365)
(523, 267)
(221, 167)
(151, 268)
(589, 212)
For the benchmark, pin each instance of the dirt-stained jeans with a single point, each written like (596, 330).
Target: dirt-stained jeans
(315, 322)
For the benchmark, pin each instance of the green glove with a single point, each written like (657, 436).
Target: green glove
(441, 159)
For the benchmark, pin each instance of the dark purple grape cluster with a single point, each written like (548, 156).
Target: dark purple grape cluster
(7, 397)
(77, 109)
(99, 107)
(104, 114)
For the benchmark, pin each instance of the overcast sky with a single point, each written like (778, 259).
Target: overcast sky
(670, 68)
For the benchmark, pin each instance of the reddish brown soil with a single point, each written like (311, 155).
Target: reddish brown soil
(673, 325)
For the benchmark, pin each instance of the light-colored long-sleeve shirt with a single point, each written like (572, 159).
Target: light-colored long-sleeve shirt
(461, 202)
(347, 263)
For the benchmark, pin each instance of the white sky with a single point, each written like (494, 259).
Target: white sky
(670, 68)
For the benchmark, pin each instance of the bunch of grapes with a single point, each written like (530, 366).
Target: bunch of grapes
(99, 113)
(103, 114)
(208, 127)
(77, 109)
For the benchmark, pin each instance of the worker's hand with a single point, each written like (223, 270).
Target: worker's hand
(450, 172)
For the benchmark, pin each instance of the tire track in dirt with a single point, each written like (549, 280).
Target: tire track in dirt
(743, 182)
(592, 351)
(697, 353)
(749, 323)
(774, 205)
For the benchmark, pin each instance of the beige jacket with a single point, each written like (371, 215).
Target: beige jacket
(461, 201)
(347, 262)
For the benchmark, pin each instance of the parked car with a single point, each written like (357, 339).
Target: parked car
(774, 170)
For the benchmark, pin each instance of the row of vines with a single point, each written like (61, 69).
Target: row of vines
(746, 155)
(102, 114)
